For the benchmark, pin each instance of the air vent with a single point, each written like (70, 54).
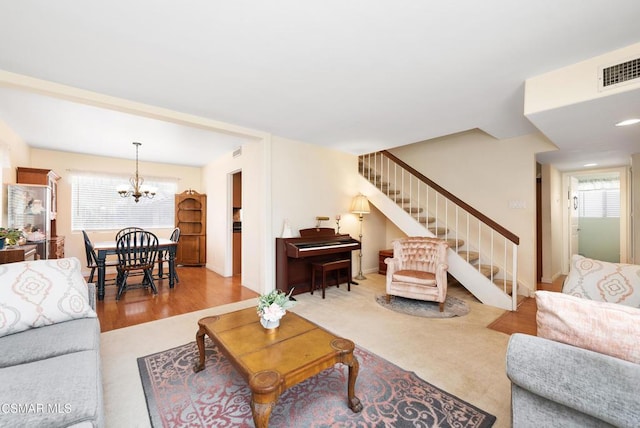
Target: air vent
(237, 152)
(619, 74)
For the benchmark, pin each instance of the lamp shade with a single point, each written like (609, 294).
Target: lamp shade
(360, 205)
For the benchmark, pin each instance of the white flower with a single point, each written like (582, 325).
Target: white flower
(273, 312)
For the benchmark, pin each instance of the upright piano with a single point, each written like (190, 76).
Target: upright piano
(295, 255)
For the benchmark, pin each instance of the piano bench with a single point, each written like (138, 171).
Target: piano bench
(330, 266)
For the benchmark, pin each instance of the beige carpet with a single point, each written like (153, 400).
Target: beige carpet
(459, 355)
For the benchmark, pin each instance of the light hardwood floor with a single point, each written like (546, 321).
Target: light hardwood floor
(524, 319)
(200, 288)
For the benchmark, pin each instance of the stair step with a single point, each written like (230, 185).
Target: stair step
(400, 200)
(424, 219)
(413, 210)
(452, 243)
(508, 284)
(469, 256)
(487, 270)
(438, 230)
(363, 167)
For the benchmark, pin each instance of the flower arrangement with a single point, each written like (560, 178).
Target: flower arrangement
(12, 236)
(273, 305)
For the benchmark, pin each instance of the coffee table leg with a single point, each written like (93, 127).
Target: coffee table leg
(353, 401)
(345, 348)
(265, 390)
(200, 342)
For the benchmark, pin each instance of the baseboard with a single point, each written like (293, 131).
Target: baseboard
(547, 280)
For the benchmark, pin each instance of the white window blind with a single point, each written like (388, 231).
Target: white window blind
(96, 204)
(599, 198)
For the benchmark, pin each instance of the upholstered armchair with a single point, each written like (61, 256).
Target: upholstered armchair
(418, 269)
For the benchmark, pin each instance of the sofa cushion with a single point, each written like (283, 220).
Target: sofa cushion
(607, 328)
(603, 281)
(417, 277)
(50, 341)
(56, 392)
(43, 292)
(558, 385)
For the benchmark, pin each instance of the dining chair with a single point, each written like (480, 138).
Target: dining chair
(137, 250)
(126, 230)
(163, 256)
(92, 259)
(175, 237)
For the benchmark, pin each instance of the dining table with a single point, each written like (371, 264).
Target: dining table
(105, 248)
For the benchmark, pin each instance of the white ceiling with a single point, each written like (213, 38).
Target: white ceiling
(354, 75)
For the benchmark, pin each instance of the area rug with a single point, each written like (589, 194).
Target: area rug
(453, 307)
(219, 397)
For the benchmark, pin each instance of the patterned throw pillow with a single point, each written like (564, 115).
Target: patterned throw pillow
(43, 292)
(603, 281)
(607, 328)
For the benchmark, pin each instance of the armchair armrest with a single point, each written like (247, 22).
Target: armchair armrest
(393, 265)
(441, 276)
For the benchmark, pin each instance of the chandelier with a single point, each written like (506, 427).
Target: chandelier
(137, 190)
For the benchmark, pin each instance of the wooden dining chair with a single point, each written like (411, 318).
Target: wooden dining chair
(92, 259)
(163, 256)
(126, 230)
(175, 237)
(137, 250)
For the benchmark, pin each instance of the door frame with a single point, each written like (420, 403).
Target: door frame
(625, 212)
(228, 263)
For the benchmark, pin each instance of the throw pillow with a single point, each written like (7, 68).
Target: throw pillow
(43, 292)
(607, 328)
(603, 281)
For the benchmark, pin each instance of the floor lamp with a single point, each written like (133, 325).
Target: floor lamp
(360, 206)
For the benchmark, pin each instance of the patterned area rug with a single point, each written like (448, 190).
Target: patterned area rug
(218, 396)
(453, 307)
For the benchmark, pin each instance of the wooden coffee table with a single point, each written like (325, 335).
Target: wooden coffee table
(273, 360)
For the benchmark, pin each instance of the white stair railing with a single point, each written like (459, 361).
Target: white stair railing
(446, 216)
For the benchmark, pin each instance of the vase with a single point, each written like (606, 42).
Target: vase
(269, 325)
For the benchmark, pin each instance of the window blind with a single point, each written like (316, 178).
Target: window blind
(96, 204)
(599, 198)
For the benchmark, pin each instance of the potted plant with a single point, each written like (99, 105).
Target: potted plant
(272, 306)
(9, 236)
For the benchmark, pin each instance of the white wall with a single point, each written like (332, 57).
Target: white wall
(553, 210)
(575, 83)
(310, 181)
(14, 151)
(488, 174)
(63, 162)
(255, 191)
(283, 179)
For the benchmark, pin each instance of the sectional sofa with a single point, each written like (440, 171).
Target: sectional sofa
(583, 367)
(50, 372)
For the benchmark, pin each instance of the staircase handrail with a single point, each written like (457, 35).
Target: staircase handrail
(468, 208)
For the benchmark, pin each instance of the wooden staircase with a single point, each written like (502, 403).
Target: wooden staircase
(466, 266)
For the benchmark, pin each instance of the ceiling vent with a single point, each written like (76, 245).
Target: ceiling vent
(620, 74)
(237, 152)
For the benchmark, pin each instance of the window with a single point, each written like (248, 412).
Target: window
(599, 198)
(96, 204)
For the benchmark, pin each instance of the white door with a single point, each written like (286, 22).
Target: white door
(574, 217)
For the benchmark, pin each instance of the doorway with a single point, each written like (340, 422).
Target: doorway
(597, 220)
(236, 190)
